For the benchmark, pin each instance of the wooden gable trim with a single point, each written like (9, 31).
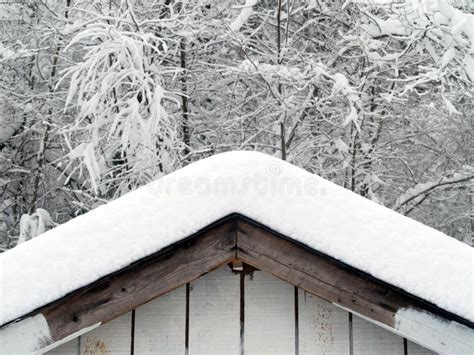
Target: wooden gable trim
(353, 290)
(124, 290)
(233, 238)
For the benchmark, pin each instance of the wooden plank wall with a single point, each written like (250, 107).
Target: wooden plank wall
(160, 324)
(269, 315)
(70, 348)
(369, 339)
(229, 313)
(214, 312)
(323, 328)
(111, 338)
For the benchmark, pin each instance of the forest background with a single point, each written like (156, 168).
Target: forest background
(100, 97)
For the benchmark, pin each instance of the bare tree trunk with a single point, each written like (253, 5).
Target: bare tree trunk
(279, 60)
(184, 98)
(41, 156)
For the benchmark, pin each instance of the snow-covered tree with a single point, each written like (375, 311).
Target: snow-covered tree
(100, 97)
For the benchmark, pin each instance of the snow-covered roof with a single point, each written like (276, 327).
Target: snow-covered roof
(300, 205)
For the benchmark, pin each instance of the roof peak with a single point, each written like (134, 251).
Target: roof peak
(288, 199)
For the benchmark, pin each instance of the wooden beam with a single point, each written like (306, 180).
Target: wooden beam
(239, 238)
(119, 293)
(351, 289)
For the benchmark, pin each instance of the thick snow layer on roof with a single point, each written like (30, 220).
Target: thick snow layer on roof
(318, 213)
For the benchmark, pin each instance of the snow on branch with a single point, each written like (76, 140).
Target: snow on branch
(244, 15)
(117, 94)
(7, 126)
(432, 30)
(35, 224)
(298, 78)
(419, 191)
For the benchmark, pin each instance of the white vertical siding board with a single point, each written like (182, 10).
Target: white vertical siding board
(72, 347)
(415, 349)
(370, 339)
(323, 327)
(160, 325)
(269, 315)
(215, 323)
(111, 338)
(214, 313)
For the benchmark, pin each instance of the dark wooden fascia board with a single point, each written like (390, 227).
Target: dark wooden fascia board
(144, 281)
(296, 257)
(140, 282)
(234, 237)
(353, 290)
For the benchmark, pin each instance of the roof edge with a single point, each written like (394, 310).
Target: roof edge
(237, 237)
(234, 217)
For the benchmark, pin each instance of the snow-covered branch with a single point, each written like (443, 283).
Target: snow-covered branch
(419, 191)
(243, 16)
(35, 224)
